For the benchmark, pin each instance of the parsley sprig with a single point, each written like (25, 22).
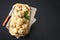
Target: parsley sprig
(26, 15)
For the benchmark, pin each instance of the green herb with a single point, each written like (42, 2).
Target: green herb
(26, 15)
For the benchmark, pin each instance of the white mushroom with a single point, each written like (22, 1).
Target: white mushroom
(21, 13)
(18, 26)
(14, 34)
(25, 26)
(21, 31)
(24, 8)
(18, 7)
(13, 30)
(20, 21)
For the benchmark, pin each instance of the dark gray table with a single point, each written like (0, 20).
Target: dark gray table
(45, 28)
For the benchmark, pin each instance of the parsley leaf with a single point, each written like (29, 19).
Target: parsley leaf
(26, 15)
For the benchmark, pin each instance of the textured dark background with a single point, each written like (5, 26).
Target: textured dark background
(48, 19)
